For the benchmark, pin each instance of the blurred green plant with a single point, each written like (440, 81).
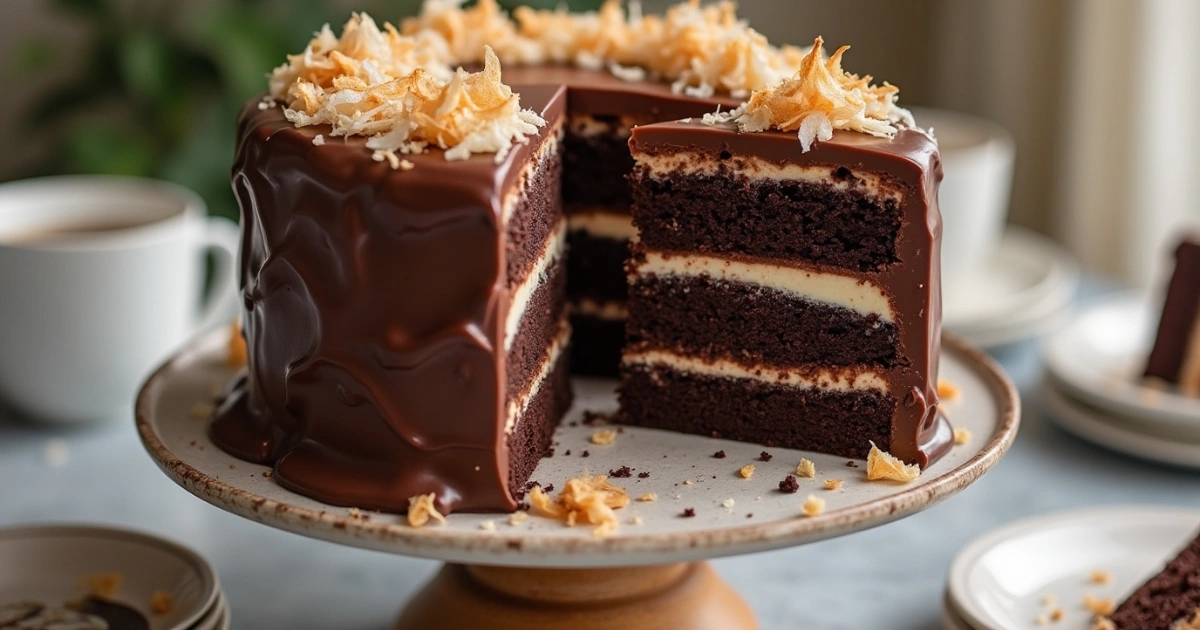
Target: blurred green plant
(161, 82)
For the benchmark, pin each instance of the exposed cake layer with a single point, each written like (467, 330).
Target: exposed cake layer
(376, 302)
(532, 209)
(601, 222)
(714, 318)
(530, 439)
(596, 268)
(817, 221)
(553, 354)
(539, 327)
(597, 344)
(598, 161)
(756, 410)
(1167, 601)
(763, 270)
(548, 258)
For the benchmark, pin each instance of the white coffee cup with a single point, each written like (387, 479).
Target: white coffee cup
(977, 161)
(100, 278)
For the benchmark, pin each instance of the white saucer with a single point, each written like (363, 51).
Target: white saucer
(1114, 432)
(47, 563)
(1024, 290)
(1100, 355)
(1000, 580)
(216, 618)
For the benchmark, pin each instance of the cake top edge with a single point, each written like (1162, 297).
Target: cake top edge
(819, 99)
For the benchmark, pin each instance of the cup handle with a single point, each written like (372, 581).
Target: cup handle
(222, 238)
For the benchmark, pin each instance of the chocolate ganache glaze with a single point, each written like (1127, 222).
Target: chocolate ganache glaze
(375, 302)
(913, 283)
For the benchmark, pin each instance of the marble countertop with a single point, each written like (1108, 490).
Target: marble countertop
(889, 577)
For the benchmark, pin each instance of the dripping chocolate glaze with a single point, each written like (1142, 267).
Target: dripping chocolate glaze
(374, 303)
(913, 285)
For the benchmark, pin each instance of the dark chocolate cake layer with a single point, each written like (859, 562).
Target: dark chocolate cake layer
(597, 161)
(540, 325)
(1167, 598)
(375, 314)
(852, 222)
(596, 266)
(755, 324)
(537, 215)
(1177, 327)
(531, 437)
(756, 411)
(596, 345)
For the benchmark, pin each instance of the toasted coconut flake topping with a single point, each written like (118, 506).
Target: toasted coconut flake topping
(399, 92)
(1102, 606)
(421, 510)
(882, 465)
(819, 98)
(806, 469)
(813, 506)
(584, 499)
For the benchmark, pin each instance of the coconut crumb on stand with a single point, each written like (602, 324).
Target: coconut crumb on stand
(421, 510)
(583, 499)
(883, 466)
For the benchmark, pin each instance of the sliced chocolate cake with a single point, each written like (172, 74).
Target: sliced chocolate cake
(1175, 357)
(785, 290)
(1168, 601)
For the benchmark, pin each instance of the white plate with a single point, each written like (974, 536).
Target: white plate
(46, 564)
(998, 582)
(1021, 292)
(683, 474)
(1100, 355)
(951, 618)
(1115, 433)
(213, 619)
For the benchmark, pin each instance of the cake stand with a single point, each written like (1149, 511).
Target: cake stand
(540, 573)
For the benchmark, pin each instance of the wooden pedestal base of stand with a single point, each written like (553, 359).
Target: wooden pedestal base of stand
(666, 597)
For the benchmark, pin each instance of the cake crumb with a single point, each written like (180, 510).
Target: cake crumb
(162, 603)
(1057, 615)
(1102, 606)
(318, 140)
(882, 465)
(687, 482)
(1188, 623)
(689, 512)
(1100, 576)
(648, 497)
(728, 505)
(421, 509)
(746, 471)
(813, 505)
(1049, 600)
(621, 473)
(102, 585)
(947, 390)
(488, 525)
(719, 454)
(586, 499)
(1041, 620)
(604, 437)
(56, 454)
(789, 485)
(1103, 623)
(961, 435)
(644, 475)
(516, 518)
(200, 411)
(833, 484)
(764, 456)
(806, 469)
(637, 520)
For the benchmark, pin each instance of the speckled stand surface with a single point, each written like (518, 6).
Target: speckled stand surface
(541, 573)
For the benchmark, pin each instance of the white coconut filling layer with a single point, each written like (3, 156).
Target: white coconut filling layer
(852, 293)
(830, 379)
(603, 224)
(551, 252)
(689, 163)
(610, 310)
(517, 407)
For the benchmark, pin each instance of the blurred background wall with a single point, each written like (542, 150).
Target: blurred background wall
(1100, 94)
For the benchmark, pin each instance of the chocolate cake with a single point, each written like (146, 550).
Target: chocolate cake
(1175, 357)
(1168, 601)
(786, 294)
(418, 239)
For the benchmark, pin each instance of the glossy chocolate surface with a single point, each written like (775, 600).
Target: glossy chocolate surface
(374, 309)
(913, 284)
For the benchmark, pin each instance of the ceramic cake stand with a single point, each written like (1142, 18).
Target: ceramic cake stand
(540, 573)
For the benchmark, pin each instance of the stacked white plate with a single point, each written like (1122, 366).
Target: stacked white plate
(1094, 389)
(52, 566)
(1017, 577)
(1025, 289)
